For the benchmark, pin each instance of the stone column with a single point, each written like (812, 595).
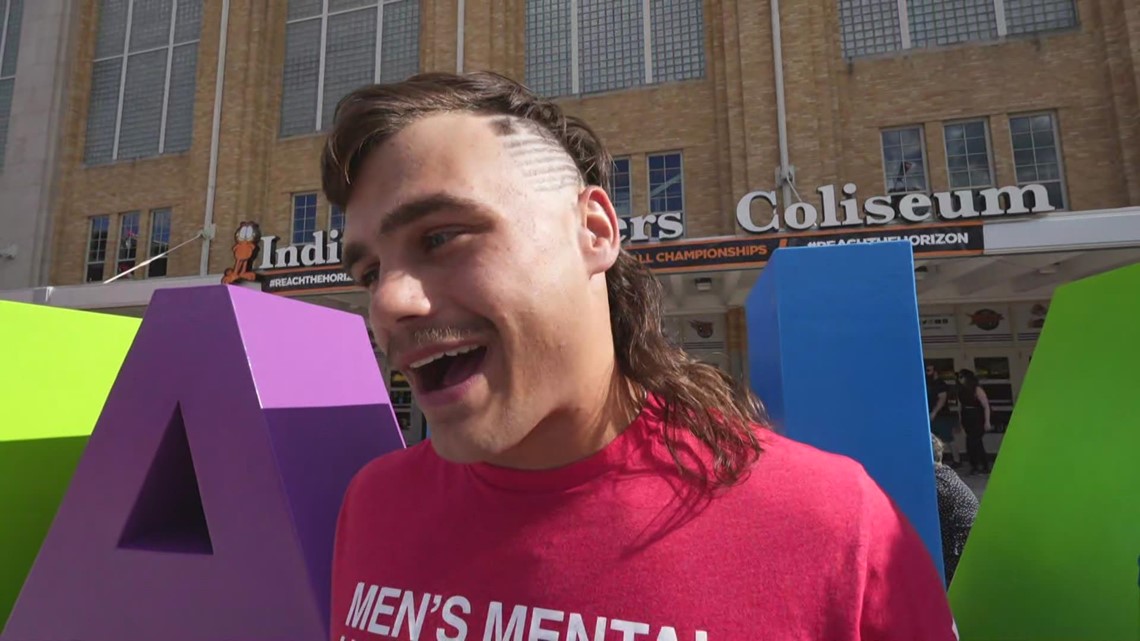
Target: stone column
(27, 179)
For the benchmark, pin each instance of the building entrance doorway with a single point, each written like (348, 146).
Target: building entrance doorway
(1000, 372)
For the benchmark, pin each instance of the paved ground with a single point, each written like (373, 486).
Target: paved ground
(976, 482)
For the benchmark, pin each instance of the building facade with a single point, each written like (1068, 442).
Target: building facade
(184, 119)
(35, 53)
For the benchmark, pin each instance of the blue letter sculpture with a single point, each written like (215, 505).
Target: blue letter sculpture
(835, 353)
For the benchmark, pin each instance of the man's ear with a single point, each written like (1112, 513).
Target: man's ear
(600, 233)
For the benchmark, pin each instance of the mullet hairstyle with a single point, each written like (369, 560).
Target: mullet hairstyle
(699, 398)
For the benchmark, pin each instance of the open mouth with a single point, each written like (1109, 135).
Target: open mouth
(448, 369)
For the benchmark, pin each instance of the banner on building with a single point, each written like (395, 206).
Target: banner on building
(737, 252)
(303, 281)
(316, 267)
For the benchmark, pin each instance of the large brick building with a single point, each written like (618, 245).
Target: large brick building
(183, 118)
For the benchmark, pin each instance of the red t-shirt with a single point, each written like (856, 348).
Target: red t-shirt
(617, 547)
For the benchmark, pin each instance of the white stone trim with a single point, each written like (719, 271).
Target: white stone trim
(1065, 231)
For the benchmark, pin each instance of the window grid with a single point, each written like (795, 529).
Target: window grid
(336, 219)
(159, 242)
(666, 183)
(96, 257)
(304, 218)
(611, 45)
(904, 160)
(400, 41)
(143, 79)
(1036, 156)
(549, 47)
(590, 46)
(332, 47)
(10, 21)
(350, 49)
(968, 161)
(621, 193)
(871, 27)
(937, 22)
(1035, 16)
(128, 248)
(678, 40)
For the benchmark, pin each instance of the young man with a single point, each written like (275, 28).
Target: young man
(586, 479)
(942, 421)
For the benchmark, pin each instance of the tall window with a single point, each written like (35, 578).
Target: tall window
(587, 46)
(336, 219)
(143, 79)
(335, 46)
(620, 192)
(666, 183)
(11, 14)
(159, 241)
(1036, 154)
(904, 160)
(1035, 16)
(869, 27)
(96, 248)
(968, 155)
(128, 250)
(304, 218)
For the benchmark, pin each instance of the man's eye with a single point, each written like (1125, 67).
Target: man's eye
(368, 277)
(435, 239)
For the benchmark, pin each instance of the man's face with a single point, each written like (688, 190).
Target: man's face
(930, 371)
(485, 260)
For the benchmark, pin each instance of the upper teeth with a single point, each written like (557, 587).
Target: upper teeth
(453, 352)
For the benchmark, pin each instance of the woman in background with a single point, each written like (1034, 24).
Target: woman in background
(957, 507)
(974, 412)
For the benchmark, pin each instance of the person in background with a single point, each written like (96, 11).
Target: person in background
(937, 403)
(957, 509)
(974, 412)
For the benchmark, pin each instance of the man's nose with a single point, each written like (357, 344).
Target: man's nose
(398, 296)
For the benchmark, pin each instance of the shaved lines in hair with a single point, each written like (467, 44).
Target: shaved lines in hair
(541, 158)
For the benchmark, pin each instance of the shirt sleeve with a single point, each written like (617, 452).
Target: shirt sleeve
(904, 598)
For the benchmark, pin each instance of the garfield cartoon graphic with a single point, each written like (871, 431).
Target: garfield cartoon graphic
(247, 244)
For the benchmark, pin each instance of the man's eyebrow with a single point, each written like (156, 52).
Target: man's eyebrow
(405, 215)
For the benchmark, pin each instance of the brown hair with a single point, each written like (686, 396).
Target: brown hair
(699, 398)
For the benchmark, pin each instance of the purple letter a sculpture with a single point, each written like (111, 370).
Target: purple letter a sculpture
(205, 505)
